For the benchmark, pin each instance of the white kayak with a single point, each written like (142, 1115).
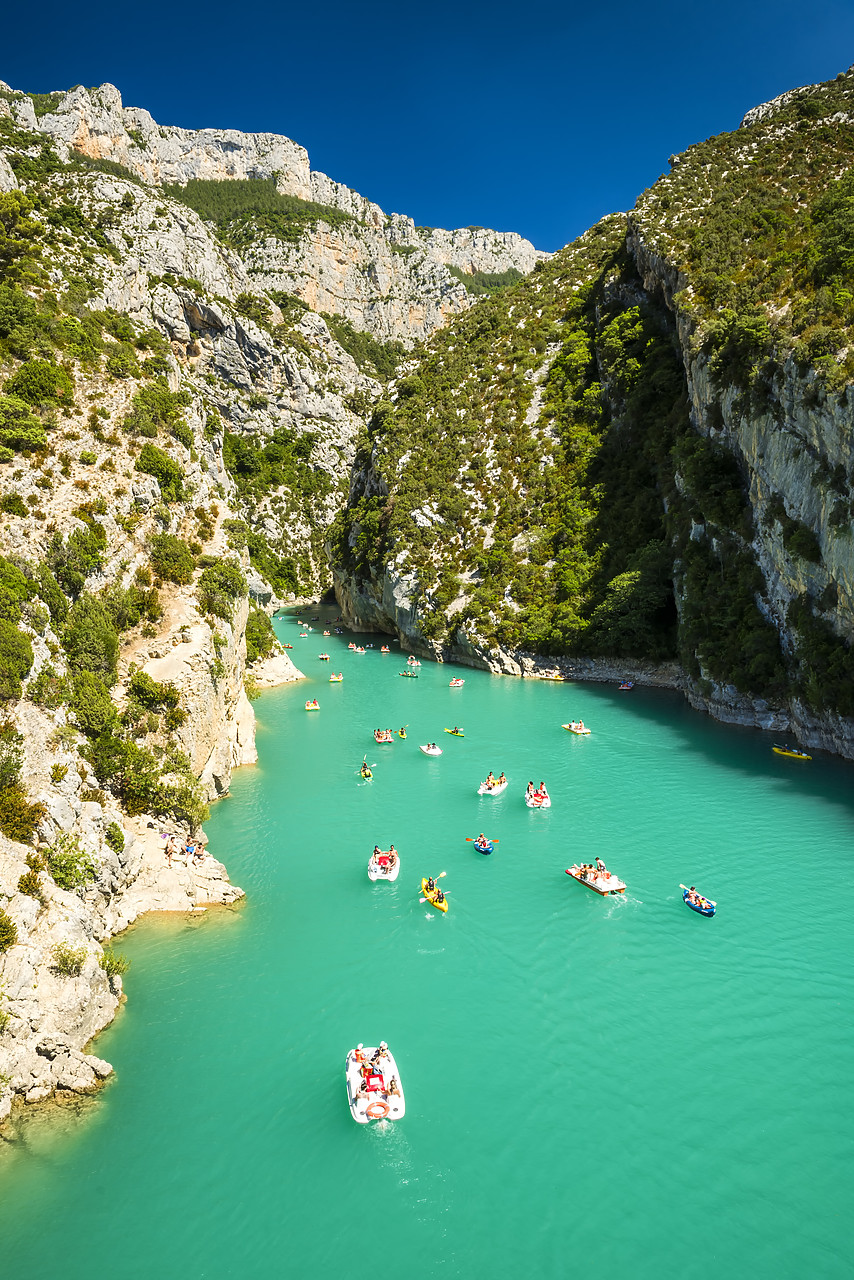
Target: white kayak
(374, 1091)
(494, 790)
(538, 802)
(380, 867)
(431, 751)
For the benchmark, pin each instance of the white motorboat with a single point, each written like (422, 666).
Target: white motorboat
(384, 865)
(492, 789)
(538, 800)
(374, 1091)
(430, 749)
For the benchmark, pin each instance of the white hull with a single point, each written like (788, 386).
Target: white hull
(484, 790)
(581, 733)
(431, 751)
(394, 1104)
(538, 804)
(376, 872)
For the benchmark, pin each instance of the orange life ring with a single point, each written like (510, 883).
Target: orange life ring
(377, 1110)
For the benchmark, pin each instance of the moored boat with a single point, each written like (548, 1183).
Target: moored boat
(435, 896)
(374, 1091)
(792, 752)
(384, 864)
(600, 881)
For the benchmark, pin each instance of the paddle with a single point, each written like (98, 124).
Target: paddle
(699, 895)
(472, 839)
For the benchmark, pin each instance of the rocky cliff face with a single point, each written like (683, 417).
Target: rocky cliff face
(379, 271)
(733, 260)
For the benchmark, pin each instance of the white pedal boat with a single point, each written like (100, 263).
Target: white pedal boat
(538, 802)
(374, 1091)
(431, 751)
(578, 728)
(495, 790)
(380, 866)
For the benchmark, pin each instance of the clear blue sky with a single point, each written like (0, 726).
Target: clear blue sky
(535, 117)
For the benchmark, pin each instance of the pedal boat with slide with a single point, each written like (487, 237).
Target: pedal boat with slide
(602, 882)
(369, 1084)
(384, 865)
(792, 752)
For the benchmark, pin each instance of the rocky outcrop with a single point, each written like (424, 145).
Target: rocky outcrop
(379, 271)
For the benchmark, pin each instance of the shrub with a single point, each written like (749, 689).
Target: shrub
(219, 586)
(115, 837)
(30, 884)
(57, 773)
(114, 964)
(8, 931)
(19, 818)
(13, 505)
(19, 428)
(155, 407)
(68, 960)
(41, 382)
(92, 706)
(166, 471)
(171, 558)
(88, 458)
(69, 565)
(90, 639)
(260, 636)
(11, 754)
(16, 659)
(48, 689)
(70, 865)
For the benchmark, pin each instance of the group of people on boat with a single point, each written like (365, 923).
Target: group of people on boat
(535, 793)
(491, 780)
(312, 705)
(578, 725)
(383, 735)
(385, 857)
(432, 890)
(481, 842)
(588, 871)
(695, 897)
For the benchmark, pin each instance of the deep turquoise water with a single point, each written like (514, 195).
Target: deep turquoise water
(595, 1087)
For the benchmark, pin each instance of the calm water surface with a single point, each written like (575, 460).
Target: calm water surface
(595, 1087)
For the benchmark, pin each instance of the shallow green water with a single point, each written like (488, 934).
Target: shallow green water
(595, 1087)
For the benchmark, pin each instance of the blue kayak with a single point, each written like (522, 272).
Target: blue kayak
(703, 907)
(483, 848)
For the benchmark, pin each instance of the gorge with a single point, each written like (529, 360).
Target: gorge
(230, 382)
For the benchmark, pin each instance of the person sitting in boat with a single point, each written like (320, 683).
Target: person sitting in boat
(481, 839)
(440, 897)
(431, 884)
(358, 1053)
(529, 790)
(392, 856)
(694, 896)
(394, 1087)
(501, 779)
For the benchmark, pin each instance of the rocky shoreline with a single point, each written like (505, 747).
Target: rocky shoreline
(49, 1016)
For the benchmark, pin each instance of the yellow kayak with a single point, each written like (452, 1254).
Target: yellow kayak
(792, 752)
(431, 896)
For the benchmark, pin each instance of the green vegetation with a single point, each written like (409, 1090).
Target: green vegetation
(377, 359)
(480, 283)
(68, 960)
(114, 964)
(20, 430)
(246, 209)
(8, 931)
(70, 865)
(90, 638)
(171, 558)
(115, 837)
(155, 408)
(220, 585)
(282, 461)
(16, 659)
(30, 884)
(18, 818)
(260, 636)
(41, 382)
(166, 471)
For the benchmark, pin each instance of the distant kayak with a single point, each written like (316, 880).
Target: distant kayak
(792, 752)
(455, 733)
(409, 675)
(366, 772)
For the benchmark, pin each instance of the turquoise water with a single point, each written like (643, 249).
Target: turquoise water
(595, 1087)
